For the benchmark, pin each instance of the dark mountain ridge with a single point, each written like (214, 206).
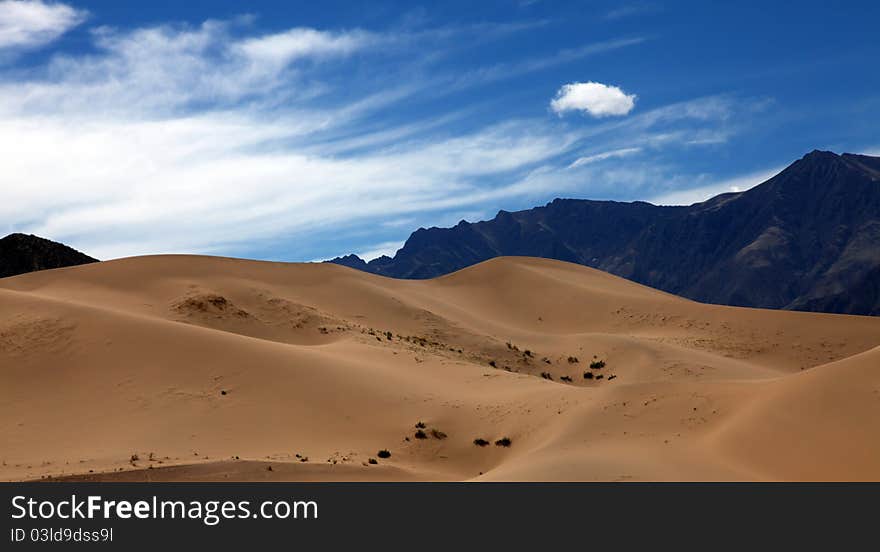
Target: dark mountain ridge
(806, 239)
(21, 253)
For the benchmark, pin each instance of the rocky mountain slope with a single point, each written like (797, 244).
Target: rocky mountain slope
(21, 253)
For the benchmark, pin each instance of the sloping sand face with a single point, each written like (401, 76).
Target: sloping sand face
(203, 368)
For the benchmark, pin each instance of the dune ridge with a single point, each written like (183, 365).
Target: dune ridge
(206, 368)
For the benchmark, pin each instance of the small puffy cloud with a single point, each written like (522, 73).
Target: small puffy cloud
(595, 98)
(32, 23)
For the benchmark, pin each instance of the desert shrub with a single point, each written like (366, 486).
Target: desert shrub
(597, 364)
(588, 375)
(389, 335)
(223, 392)
(437, 434)
(421, 425)
(481, 442)
(134, 458)
(611, 377)
(373, 461)
(527, 353)
(547, 375)
(384, 453)
(565, 378)
(493, 364)
(600, 376)
(573, 360)
(503, 442)
(420, 434)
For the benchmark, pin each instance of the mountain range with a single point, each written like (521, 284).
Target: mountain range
(806, 239)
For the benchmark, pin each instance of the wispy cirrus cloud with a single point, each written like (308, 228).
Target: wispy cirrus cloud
(530, 65)
(596, 157)
(26, 24)
(214, 137)
(631, 10)
(283, 48)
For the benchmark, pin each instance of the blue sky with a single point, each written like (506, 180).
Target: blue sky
(301, 131)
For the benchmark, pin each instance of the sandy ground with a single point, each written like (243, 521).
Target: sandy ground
(182, 368)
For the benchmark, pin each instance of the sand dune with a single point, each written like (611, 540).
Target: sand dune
(205, 368)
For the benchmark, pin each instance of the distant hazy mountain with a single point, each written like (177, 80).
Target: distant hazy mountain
(20, 253)
(807, 239)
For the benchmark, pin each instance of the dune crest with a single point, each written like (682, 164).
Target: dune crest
(207, 368)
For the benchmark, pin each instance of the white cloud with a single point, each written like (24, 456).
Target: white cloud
(282, 48)
(32, 23)
(595, 98)
(170, 67)
(595, 158)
